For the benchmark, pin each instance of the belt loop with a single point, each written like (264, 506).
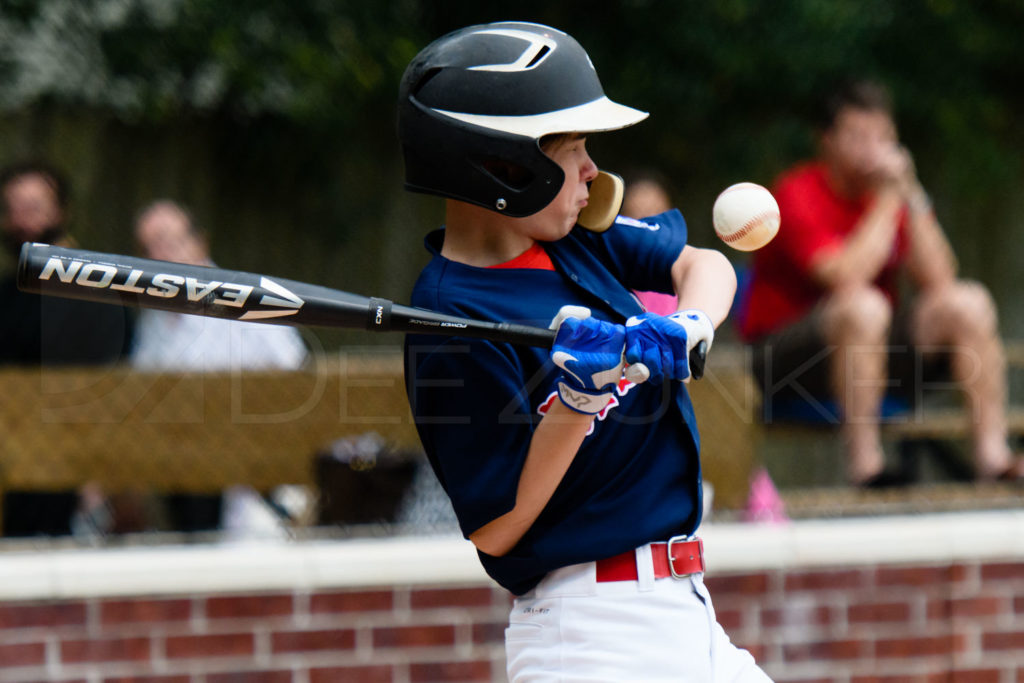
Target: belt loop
(644, 569)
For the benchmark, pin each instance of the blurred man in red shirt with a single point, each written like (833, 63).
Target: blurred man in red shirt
(823, 309)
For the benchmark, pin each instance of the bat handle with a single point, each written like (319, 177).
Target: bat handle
(535, 336)
(638, 372)
(698, 358)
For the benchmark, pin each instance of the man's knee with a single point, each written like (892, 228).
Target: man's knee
(959, 311)
(971, 307)
(857, 315)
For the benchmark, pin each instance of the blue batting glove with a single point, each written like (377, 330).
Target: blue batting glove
(589, 352)
(663, 343)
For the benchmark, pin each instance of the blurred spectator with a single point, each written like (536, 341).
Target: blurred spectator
(165, 230)
(823, 308)
(645, 196)
(176, 341)
(36, 330)
(49, 330)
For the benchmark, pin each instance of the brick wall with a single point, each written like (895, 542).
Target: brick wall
(401, 634)
(956, 622)
(915, 598)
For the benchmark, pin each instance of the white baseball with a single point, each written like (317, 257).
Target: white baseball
(746, 216)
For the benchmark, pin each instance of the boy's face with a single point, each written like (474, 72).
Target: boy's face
(554, 221)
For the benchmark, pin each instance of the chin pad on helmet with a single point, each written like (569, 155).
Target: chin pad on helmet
(603, 205)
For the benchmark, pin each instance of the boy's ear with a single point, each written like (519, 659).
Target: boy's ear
(606, 191)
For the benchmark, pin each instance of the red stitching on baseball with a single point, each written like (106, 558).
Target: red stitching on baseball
(749, 226)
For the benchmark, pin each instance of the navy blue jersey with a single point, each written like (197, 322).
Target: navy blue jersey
(635, 479)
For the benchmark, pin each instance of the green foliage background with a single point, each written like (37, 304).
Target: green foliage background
(274, 120)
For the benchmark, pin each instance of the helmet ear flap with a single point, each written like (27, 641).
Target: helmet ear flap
(513, 176)
(499, 171)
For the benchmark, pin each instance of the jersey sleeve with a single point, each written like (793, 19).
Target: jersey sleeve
(473, 416)
(640, 253)
(804, 236)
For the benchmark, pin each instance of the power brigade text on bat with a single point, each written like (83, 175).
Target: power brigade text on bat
(162, 285)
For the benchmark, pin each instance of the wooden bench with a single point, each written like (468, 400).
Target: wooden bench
(194, 433)
(933, 435)
(199, 433)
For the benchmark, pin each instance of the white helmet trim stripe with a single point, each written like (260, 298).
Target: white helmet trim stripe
(593, 117)
(526, 61)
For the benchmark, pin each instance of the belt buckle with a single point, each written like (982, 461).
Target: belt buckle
(671, 558)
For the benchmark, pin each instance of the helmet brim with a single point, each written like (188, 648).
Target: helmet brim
(593, 117)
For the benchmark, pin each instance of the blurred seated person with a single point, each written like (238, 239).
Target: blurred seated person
(165, 231)
(823, 309)
(167, 341)
(645, 195)
(42, 330)
(47, 330)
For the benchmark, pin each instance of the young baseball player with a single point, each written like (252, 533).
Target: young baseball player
(580, 489)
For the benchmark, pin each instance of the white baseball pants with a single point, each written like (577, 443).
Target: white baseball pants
(571, 628)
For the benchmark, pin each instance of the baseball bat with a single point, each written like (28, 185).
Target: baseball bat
(235, 295)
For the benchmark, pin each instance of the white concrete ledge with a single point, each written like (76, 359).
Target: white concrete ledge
(309, 565)
(933, 538)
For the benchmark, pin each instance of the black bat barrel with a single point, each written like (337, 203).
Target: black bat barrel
(236, 295)
(184, 288)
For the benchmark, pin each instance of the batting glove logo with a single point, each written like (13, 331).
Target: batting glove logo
(621, 389)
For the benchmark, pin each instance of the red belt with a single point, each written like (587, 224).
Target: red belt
(680, 557)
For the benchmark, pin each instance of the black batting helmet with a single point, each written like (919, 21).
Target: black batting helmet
(480, 99)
